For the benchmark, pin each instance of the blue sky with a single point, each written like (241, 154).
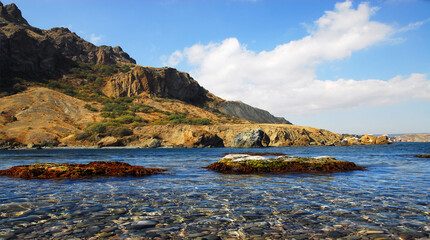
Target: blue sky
(345, 66)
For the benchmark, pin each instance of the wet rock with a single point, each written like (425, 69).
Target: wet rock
(243, 163)
(425, 155)
(74, 171)
(251, 138)
(142, 224)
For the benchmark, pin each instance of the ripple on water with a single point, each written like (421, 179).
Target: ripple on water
(389, 200)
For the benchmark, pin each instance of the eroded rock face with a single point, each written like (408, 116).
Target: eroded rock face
(74, 171)
(251, 138)
(161, 82)
(202, 138)
(245, 163)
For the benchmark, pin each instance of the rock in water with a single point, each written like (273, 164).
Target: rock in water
(75, 171)
(251, 139)
(244, 163)
(425, 155)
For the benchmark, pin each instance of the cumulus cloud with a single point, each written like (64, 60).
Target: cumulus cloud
(283, 80)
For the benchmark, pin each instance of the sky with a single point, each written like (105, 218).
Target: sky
(360, 67)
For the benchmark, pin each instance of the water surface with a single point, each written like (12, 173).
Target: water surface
(390, 199)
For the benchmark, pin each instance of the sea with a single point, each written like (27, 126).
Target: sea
(389, 200)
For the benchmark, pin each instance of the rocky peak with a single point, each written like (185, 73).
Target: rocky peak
(33, 53)
(11, 13)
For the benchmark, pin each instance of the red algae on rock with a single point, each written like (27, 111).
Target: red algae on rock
(245, 164)
(76, 171)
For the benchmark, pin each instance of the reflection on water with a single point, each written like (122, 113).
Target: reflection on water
(389, 200)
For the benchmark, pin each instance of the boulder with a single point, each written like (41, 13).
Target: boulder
(109, 142)
(202, 138)
(368, 139)
(383, 139)
(155, 143)
(251, 138)
(348, 141)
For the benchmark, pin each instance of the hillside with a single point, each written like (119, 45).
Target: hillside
(59, 90)
(423, 137)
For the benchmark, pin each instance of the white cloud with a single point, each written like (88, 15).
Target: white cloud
(95, 39)
(283, 80)
(413, 26)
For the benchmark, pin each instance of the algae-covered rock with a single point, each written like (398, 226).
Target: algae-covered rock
(74, 171)
(245, 163)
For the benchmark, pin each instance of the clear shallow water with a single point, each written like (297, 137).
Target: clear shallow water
(391, 199)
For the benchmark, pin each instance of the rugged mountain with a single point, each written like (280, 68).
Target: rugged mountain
(29, 52)
(34, 54)
(64, 90)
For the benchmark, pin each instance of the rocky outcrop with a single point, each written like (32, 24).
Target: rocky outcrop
(245, 164)
(251, 138)
(76, 171)
(161, 82)
(202, 138)
(368, 139)
(34, 53)
(245, 111)
(383, 139)
(110, 141)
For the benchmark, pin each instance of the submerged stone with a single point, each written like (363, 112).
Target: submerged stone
(74, 171)
(246, 163)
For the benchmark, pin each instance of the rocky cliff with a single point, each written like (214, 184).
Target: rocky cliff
(245, 111)
(161, 82)
(29, 52)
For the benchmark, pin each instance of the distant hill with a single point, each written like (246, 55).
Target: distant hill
(423, 137)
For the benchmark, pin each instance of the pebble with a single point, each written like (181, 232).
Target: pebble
(142, 224)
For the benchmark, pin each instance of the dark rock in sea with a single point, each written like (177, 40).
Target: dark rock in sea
(76, 171)
(425, 155)
(244, 163)
(251, 138)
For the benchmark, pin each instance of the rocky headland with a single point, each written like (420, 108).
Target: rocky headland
(57, 89)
